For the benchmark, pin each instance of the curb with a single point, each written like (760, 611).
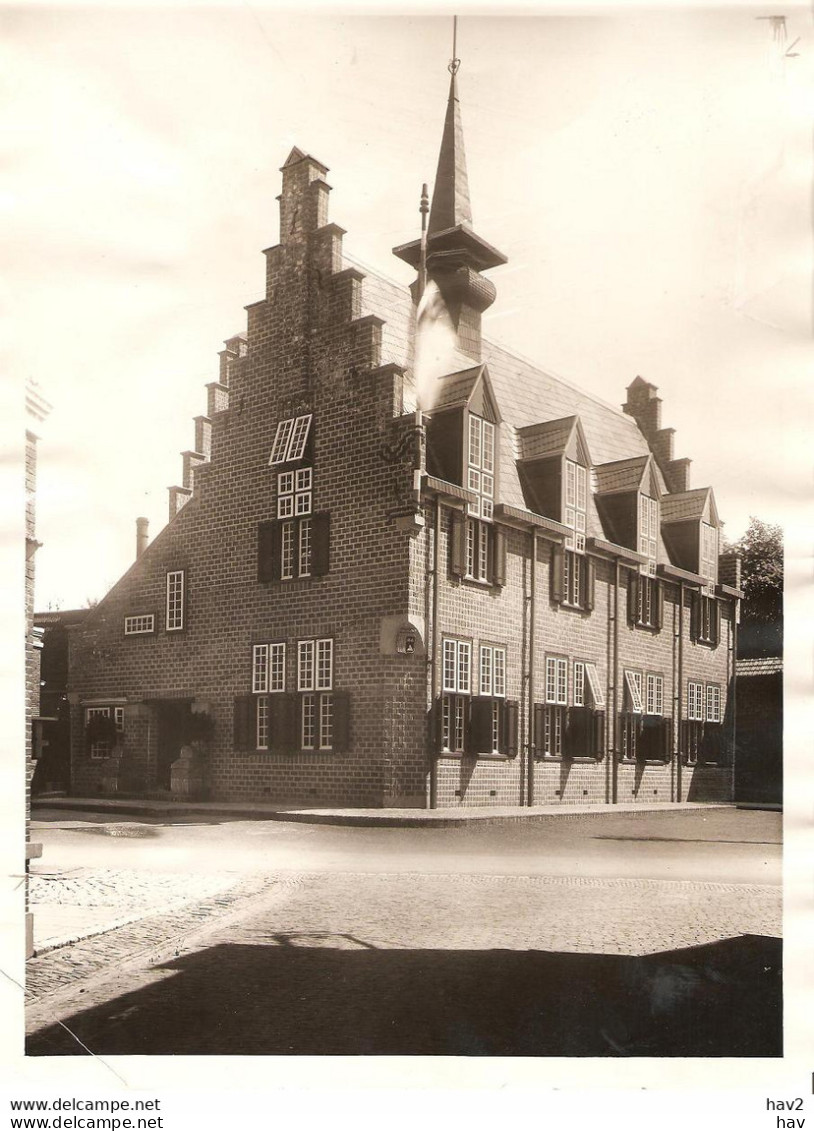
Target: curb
(356, 819)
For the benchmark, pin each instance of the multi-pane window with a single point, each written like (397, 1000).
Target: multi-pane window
(175, 601)
(478, 549)
(695, 701)
(492, 683)
(294, 492)
(139, 625)
(268, 677)
(480, 476)
(315, 681)
(706, 612)
(713, 703)
(654, 694)
(290, 439)
(457, 685)
(647, 607)
(268, 668)
(99, 750)
(579, 683)
(554, 712)
(573, 577)
(575, 505)
(708, 553)
(595, 686)
(295, 548)
(633, 684)
(649, 530)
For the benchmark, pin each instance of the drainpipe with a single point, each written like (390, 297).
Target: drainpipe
(734, 687)
(434, 657)
(530, 721)
(680, 684)
(614, 753)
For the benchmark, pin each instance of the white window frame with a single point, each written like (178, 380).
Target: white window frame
(654, 694)
(456, 666)
(140, 624)
(595, 686)
(713, 703)
(695, 701)
(633, 682)
(579, 683)
(492, 671)
(100, 750)
(262, 722)
(175, 600)
(556, 681)
(290, 439)
(268, 668)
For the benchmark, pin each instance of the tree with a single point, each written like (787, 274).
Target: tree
(761, 551)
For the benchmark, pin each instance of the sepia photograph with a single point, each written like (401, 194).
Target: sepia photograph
(414, 416)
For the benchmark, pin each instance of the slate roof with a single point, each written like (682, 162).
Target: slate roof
(759, 665)
(525, 394)
(550, 438)
(456, 388)
(621, 475)
(685, 505)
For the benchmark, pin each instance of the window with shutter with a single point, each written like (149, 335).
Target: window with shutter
(456, 667)
(573, 579)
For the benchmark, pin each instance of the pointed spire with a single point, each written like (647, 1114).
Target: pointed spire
(450, 198)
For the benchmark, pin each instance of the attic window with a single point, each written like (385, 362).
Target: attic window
(480, 475)
(649, 531)
(290, 439)
(575, 504)
(708, 552)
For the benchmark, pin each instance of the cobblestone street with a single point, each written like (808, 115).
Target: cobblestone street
(361, 961)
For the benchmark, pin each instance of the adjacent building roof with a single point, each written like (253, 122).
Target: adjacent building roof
(759, 665)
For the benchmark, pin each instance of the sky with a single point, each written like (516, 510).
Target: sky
(645, 170)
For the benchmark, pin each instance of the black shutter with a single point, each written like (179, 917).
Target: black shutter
(578, 733)
(658, 597)
(511, 715)
(590, 583)
(683, 737)
(558, 573)
(666, 738)
(457, 544)
(341, 741)
(539, 729)
(265, 544)
(479, 732)
(437, 726)
(245, 731)
(633, 599)
(321, 544)
(500, 556)
(598, 739)
(716, 621)
(695, 615)
(283, 723)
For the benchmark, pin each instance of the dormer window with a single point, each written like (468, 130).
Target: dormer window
(708, 553)
(649, 531)
(575, 508)
(480, 476)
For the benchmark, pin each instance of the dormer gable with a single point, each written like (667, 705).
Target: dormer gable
(691, 528)
(463, 435)
(554, 464)
(628, 499)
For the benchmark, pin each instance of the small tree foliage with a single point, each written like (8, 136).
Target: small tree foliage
(761, 551)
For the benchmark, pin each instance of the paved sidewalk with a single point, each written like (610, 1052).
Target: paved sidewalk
(395, 818)
(83, 902)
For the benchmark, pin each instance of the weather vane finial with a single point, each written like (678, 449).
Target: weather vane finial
(454, 62)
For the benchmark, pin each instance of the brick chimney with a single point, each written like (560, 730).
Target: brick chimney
(142, 535)
(644, 405)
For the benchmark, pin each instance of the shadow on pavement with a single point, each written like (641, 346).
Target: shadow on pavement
(283, 997)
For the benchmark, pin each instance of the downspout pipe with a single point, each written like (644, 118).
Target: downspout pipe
(680, 686)
(532, 738)
(734, 691)
(434, 658)
(614, 751)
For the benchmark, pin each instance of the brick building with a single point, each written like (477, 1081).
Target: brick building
(37, 409)
(405, 567)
